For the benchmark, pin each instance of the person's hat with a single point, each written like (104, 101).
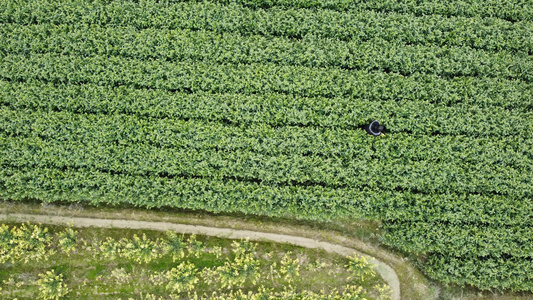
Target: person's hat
(375, 128)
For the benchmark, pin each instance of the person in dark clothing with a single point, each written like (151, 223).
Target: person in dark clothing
(375, 129)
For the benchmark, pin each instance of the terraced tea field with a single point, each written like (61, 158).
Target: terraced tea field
(257, 107)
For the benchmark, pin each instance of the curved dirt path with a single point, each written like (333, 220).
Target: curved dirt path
(386, 272)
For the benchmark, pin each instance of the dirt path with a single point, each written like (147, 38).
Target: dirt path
(388, 274)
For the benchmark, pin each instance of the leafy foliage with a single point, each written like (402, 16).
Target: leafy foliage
(375, 54)
(174, 245)
(256, 106)
(68, 240)
(360, 267)
(289, 268)
(51, 285)
(240, 269)
(358, 24)
(178, 279)
(25, 243)
(142, 249)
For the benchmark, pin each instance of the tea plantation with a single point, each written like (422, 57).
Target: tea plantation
(257, 106)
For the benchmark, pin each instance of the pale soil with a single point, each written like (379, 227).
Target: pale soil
(386, 272)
